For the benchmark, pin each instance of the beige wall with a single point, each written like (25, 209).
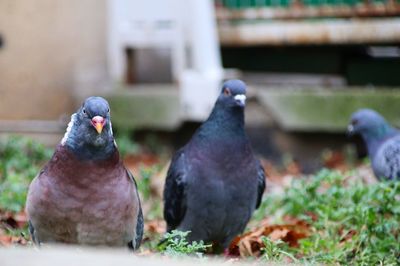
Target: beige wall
(52, 48)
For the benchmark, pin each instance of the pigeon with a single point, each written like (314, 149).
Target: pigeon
(84, 195)
(382, 140)
(214, 183)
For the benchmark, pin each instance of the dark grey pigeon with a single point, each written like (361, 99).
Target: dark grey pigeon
(84, 194)
(214, 182)
(382, 140)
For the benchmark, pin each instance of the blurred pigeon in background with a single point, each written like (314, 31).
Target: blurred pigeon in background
(382, 140)
(214, 182)
(84, 194)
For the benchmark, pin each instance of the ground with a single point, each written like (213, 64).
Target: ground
(339, 215)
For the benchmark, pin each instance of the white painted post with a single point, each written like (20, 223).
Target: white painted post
(133, 23)
(200, 85)
(113, 57)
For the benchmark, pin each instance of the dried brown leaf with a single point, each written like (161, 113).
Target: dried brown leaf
(250, 244)
(156, 226)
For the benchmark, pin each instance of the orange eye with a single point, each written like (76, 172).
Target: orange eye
(227, 92)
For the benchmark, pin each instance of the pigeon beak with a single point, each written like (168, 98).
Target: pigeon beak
(350, 130)
(240, 100)
(98, 123)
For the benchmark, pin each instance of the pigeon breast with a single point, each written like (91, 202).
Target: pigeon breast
(83, 202)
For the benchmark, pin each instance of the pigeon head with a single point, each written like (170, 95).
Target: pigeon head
(89, 134)
(227, 117)
(96, 111)
(368, 124)
(233, 94)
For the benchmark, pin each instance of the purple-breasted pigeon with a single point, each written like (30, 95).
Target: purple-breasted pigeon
(214, 183)
(84, 194)
(382, 140)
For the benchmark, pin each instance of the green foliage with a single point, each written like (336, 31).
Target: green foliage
(176, 245)
(145, 191)
(144, 184)
(352, 223)
(275, 250)
(20, 161)
(125, 144)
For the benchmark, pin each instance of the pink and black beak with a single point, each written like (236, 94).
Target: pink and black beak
(98, 123)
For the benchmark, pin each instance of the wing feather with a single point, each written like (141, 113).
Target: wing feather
(140, 221)
(391, 160)
(175, 191)
(261, 183)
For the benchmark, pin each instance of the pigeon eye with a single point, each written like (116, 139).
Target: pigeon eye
(354, 122)
(227, 92)
(108, 110)
(84, 110)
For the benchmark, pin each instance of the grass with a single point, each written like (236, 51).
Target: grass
(175, 244)
(125, 144)
(351, 223)
(20, 161)
(275, 250)
(147, 197)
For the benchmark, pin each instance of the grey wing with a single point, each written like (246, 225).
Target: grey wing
(386, 163)
(261, 183)
(32, 232)
(140, 220)
(175, 191)
(139, 229)
(31, 228)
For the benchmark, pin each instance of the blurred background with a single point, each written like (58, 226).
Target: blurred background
(308, 64)
(160, 63)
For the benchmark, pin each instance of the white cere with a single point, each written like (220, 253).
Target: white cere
(240, 97)
(69, 127)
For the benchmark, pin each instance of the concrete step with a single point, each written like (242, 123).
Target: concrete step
(326, 110)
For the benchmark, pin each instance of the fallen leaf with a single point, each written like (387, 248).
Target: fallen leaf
(8, 241)
(133, 162)
(13, 220)
(279, 234)
(250, 243)
(334, 160)
(156, 226)
(348, 236)
(5, 240)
